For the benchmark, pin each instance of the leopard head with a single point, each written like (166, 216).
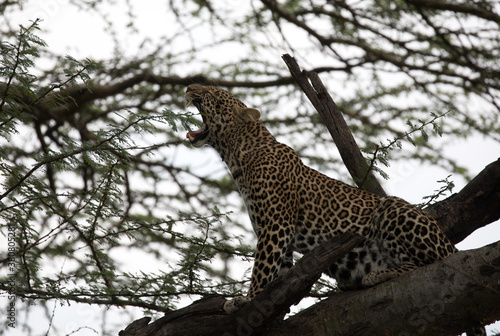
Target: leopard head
(221, 113)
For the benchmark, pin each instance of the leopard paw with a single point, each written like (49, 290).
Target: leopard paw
(375, 278)
(235, 304)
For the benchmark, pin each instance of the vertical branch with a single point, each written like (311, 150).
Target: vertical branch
(314, 89)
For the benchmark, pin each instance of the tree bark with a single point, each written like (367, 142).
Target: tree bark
(206, 316)
(445, 298)
(336, 125)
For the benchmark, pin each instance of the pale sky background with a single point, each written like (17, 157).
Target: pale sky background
(79, 34)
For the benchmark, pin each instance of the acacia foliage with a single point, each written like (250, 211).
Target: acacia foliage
(72, 194)
(93, 162)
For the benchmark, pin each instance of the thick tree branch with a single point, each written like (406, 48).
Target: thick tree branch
(445, 298)
(206, 317)
(475, 206)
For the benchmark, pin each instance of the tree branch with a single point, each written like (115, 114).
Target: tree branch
(475, 206)
(467, 8)
(445, 298)
(335, 122)
(80, 95)
(206, 317)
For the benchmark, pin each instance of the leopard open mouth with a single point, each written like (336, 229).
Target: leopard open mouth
(198, 135)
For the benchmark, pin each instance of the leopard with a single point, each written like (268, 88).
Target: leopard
(295, 208)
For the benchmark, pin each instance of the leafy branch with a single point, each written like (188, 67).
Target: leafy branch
(15, 64)
(447, 187)
(382, 151)
(86, 147)
(82, 73)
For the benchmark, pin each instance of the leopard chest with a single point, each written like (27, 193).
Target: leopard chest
(250, 205)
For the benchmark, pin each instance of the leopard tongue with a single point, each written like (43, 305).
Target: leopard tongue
(193, 134)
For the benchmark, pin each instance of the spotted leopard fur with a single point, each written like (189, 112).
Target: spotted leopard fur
(293, 207)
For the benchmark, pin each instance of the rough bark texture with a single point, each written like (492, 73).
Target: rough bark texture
(445, 298)
(206, 317)
(336, 125)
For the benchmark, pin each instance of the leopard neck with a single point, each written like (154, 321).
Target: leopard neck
(242, 145)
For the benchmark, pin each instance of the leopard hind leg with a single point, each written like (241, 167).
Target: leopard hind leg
(377, 277)
(369, 259)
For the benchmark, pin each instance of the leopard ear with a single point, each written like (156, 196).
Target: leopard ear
(246, 114)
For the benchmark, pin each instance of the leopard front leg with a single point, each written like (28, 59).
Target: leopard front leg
(275, 226)
(275, 222)
(272, 258)
(237, 302)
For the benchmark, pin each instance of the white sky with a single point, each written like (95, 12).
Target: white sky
(70, 31)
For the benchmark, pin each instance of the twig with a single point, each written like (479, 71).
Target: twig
(384, 148)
